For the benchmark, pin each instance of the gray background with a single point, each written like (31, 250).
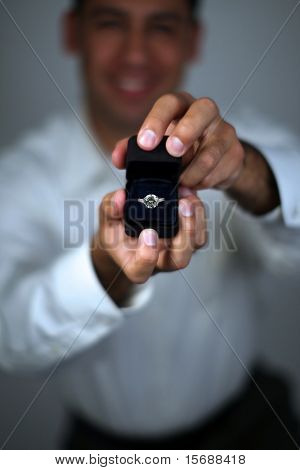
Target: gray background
(238, 32)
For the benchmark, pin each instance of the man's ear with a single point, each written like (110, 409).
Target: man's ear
(70, 32)
(197, 33)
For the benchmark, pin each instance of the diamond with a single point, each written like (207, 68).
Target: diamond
(151, 201)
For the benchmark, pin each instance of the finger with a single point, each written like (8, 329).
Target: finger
(201, 226)
(227, 170)
(181, 249)
(204, 162)
(165, 110)
(189, 237)
(118, 155)
(192, 125)
(200, 230)
(142, 264)
(112, 206)
(191, 234)
(111, 234)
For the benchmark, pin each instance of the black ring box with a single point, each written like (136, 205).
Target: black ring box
(151, 172)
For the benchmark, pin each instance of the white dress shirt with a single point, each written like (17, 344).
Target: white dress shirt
(178, 351)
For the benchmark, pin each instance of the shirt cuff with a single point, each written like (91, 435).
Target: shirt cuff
(78, 288)
(86, 311)
(285, 165)
(272, 217)
(83, 291)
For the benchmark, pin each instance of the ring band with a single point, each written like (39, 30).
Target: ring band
(151, 200)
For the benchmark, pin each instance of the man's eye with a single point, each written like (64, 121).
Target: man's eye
(163, 28)
(108, 24)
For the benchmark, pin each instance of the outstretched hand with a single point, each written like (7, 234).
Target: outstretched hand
(213, 156)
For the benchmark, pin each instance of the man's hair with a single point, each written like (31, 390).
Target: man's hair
(194, 4)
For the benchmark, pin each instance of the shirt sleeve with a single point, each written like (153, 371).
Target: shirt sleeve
(281, 149)
(285, 165)
(275, 236)
(52, 304)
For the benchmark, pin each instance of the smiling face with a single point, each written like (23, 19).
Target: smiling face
(132, 52)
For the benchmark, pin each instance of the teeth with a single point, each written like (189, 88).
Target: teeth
(130, 84)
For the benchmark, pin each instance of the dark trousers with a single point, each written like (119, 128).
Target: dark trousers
(247, 422)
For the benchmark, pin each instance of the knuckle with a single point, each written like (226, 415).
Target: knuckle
(230, 129)
(169, 99)
(209, 104)
(209, 158)
(207, 161)
(239, 151)
(215, 151)
(221, 146)
(182, 263)
(188, 126)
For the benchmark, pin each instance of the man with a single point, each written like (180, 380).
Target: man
(162, 359)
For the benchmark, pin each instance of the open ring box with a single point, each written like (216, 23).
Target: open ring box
(151, 190)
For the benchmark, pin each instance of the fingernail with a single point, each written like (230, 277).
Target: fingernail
(150, 237)
(175, 146)
(186, 208)
(147, 138)
(184, 191)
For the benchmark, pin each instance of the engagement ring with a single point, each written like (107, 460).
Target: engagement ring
(151, 201)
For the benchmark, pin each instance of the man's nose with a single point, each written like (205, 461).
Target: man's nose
(135, 47)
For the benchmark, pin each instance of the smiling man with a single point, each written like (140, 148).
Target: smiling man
(131, 53)
(155, 339)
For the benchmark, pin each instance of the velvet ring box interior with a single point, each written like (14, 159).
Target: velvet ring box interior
(151, 190)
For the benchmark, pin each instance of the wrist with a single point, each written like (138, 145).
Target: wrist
(246, 177)
(255, 189)
(110, 275)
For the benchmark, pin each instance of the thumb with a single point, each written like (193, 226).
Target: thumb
(145, 258)
(112, 206)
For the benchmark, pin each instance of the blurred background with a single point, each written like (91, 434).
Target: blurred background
(237, 34)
